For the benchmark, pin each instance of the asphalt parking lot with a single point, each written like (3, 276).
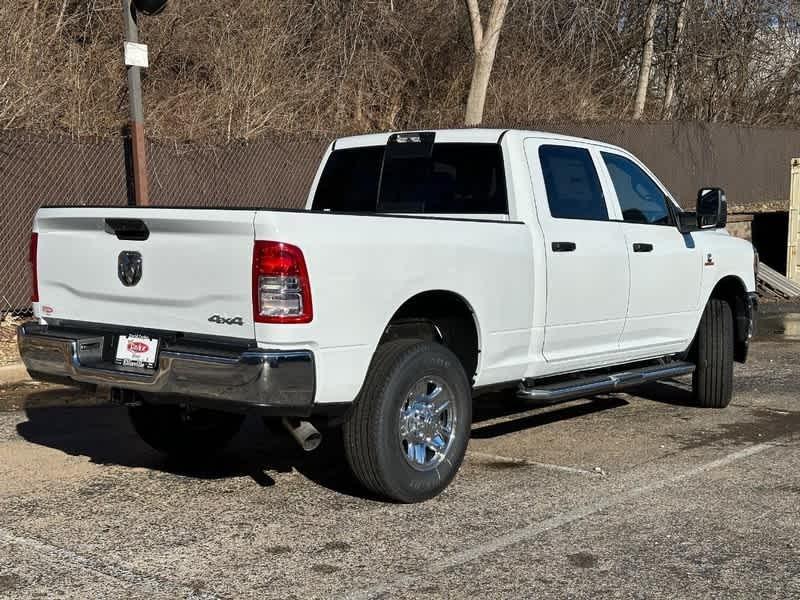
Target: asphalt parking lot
(634, 495)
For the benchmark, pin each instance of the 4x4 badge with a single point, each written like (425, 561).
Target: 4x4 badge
(223, 321)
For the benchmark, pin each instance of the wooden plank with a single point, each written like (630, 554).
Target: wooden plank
(774, 281)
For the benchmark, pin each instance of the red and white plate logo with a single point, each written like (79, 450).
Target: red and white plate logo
(138, 347)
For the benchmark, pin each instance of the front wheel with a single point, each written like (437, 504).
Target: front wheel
(407, 434)
(712, 380)
(182, 432)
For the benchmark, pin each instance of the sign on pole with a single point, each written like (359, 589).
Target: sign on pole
(136, 55)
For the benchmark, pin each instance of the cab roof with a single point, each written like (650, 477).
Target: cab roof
(465, 135)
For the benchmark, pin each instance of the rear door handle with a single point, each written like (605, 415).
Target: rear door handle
(642, 247)
(563, 246)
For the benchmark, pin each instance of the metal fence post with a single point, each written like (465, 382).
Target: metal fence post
(138, 152)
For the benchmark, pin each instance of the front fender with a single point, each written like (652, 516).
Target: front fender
(724, 256)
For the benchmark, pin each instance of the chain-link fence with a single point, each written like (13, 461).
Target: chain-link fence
(64, 171)
(276, 171)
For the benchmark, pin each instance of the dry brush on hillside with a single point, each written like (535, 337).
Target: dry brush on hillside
(235, 69)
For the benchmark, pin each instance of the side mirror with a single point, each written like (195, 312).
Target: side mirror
(712, 208)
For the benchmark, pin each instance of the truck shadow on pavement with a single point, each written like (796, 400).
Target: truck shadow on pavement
(103, 433)
(494, 417)
(666, 392)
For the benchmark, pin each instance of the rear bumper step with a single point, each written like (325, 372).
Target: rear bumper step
(268, 379)
(577, 388)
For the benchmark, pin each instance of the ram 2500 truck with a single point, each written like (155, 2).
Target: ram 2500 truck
(427, 267)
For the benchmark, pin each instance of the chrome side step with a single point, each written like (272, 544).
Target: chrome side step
(577, 388)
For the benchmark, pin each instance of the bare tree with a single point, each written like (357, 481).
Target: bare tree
(672, 75)
(484, 42)
(646, 61)
(345, 67)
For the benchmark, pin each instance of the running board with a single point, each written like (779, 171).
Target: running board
(577, 388)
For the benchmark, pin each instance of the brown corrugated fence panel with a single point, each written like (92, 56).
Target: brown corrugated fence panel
(751, 164)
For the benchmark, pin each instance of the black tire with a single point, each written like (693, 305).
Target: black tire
(181, 432)
(712, 380)
(371, 434)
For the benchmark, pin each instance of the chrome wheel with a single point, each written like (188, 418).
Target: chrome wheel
(427, 423)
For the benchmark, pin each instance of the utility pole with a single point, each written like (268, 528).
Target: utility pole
(136, 125)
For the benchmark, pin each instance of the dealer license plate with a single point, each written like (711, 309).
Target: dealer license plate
(136, 351)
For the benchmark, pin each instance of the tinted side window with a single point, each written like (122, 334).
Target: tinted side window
(349, 182)
(573, 187)
(640, 198)
(455, 179)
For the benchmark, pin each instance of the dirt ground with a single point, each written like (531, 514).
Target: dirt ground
(8, 341)
(636, 495)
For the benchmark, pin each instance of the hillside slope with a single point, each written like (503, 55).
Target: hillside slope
(235, 69)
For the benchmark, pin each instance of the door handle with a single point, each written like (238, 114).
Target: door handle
(642, 247)
(563, 246)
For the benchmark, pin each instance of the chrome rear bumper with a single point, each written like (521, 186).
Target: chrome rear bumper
(270, 379)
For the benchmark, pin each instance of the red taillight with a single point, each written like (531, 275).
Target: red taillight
(281, 289)
(32, 257)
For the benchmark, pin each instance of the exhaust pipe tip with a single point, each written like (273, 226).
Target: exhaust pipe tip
(304, 433)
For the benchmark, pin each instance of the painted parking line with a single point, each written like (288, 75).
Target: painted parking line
(520, 535)
(532, 463)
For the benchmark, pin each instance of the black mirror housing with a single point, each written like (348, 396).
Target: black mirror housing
(712, 208)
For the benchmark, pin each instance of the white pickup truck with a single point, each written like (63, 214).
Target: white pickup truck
(426, 268)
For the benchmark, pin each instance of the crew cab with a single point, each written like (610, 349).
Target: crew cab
(427, 267)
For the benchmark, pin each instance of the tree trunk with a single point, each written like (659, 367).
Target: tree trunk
(485, 46)
(476, 100)
(672, 76)
(647, 60)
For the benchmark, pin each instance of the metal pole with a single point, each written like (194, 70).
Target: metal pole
(139, 158)
(793, 246)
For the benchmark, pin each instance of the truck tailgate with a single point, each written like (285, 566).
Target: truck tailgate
(195, 268)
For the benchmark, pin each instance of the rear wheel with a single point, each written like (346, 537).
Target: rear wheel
(407, 434)
(712, 381)
(183, 432)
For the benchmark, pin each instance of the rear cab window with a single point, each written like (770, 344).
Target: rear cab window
(450, 178)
